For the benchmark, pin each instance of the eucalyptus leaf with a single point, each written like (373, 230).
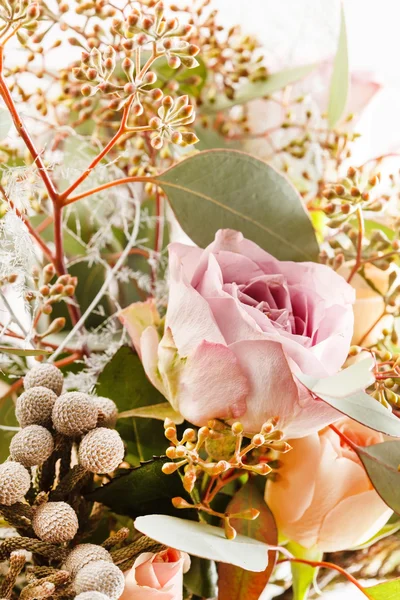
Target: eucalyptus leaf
(205, 541)
(24, 351)
(389, 590)
(381, 461)
(5, 123)
(344, 391)
(236, 583)
(220, 189)
(143, 491)
(302, 574)
(260, 89)
(340, 77)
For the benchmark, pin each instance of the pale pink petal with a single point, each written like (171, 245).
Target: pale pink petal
(273, 391)
(189, 257)
(137, 317)
(188, 316)
(212, 385)
(312, 415)
(233, 320)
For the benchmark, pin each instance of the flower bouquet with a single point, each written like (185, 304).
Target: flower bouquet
(200, 364)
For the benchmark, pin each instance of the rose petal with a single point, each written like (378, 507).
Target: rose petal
(267, 371)
(353, 521)
(188, 316)
(213, 385)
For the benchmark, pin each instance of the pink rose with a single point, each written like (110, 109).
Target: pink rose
(156, 576)
(239, 325)
(322, 496)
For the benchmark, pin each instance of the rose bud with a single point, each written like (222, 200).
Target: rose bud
(156, 576)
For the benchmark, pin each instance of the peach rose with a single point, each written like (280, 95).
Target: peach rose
(369, 307)
(157, 576)
(322, 496)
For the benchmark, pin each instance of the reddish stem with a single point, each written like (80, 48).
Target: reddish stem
(20, 127)
(344, 438)
(109, 184)
(99, 157)
(328, 565)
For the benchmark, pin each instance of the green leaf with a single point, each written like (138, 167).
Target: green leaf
(340, 77)
(5, 123)
(302, 575)
(385, 591)
(220, 189)
(236, 583)
(24, 352)
(381, 461)
(143, 491)
(251, 91)
(202, 578)
(157, 411)
(124, 381)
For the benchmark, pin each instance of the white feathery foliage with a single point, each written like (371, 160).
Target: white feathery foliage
(17, 252)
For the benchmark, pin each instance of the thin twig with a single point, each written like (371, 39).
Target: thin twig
(13, 315)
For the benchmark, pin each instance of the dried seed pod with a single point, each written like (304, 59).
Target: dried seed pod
(15, 481)
(108, 412)
(82, 555)
(92, 596)
(32, 445)
(34, 407)
(55, 522)
(100, 576)
(74, 413)
(47, 376)
(101, 450)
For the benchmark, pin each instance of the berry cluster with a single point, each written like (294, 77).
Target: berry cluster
(48, 418)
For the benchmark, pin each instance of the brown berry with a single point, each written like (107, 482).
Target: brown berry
(32, 445)
(55, 522)
(15, 481)
(34, 407)
(100, 576)
(101, 450)
(45, 375)
(74, 413)
(108, 412)
(84, 554)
